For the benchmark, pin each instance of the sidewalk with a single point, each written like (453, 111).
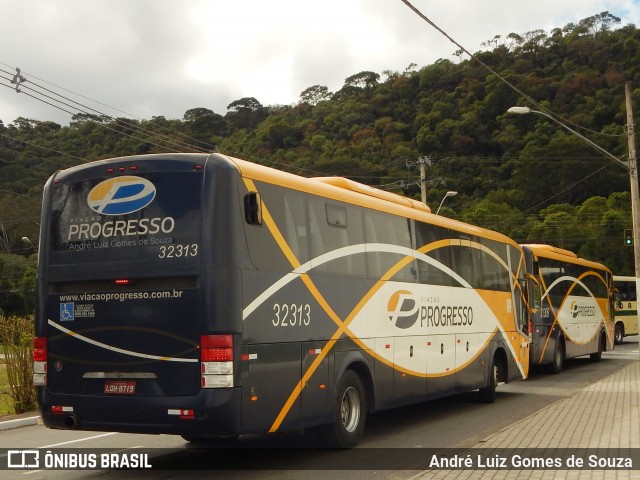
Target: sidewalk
(604, 415)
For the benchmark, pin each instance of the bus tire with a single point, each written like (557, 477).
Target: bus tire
(597, 356)
(349, 413)
(487, 394)
(618, 334)
(557, 364)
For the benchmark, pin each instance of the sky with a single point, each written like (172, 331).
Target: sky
(146, 58)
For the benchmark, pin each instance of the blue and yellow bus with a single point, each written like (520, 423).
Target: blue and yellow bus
(210, 297)
(571, 306)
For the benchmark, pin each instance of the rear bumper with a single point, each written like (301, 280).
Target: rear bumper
(210, 412)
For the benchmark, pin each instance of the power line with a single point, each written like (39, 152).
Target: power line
(567, 189)
(474, 57)
(208, 146)
(80, 108)
(41, 147)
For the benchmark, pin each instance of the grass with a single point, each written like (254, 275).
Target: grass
(6, 401)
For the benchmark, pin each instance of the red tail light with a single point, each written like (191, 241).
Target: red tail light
(216, 348)
(40, 355)
(216, 361)
(40, 349)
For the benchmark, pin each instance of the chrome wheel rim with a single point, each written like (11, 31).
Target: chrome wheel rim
(350, 409)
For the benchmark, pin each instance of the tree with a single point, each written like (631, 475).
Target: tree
(315, 94)
(246, 112)
(598, 24)
(246, 104)
(203, 123)
(194, 114)
(364, 80)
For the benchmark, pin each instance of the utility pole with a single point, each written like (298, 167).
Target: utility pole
(633, 177)
(423, 162)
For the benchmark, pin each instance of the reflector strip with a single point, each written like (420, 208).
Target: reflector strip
(40, 379)
(39, 367)
(183, 414)
(61, 409)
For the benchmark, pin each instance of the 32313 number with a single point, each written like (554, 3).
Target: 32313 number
(291, 315)
(178, 251)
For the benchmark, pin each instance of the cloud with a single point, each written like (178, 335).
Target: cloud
(163, 57)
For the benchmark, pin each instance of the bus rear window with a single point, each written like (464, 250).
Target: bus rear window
(127, 217)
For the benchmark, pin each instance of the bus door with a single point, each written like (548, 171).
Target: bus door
(410, 355)
(468, 371)
(538, 318)
(316, 394)
(441, 364)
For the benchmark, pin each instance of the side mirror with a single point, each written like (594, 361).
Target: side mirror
(536, 297)
(253, 208)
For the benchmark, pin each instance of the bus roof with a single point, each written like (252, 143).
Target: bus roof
(342, 189)
(541, 249)
(335, 188)
(555, 253)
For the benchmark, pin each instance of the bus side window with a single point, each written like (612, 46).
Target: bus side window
(388, 230)
(253, 208)
(332, 227)
(429, 274)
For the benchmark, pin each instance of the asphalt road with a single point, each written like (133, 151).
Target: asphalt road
(455, 422)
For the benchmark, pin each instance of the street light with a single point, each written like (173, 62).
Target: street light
(630, 166)
(525, 110)
(29, 243)
(448, 194)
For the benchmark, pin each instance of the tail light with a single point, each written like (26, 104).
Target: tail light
(216, 361)
(40, 355)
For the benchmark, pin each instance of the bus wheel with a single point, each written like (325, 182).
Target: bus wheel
(558, 358)
(349, 414)
(618, 334)
(487, 394)
(595, 357)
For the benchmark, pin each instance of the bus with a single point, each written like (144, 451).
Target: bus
(570, 306)
(626, 307)
(210, 297)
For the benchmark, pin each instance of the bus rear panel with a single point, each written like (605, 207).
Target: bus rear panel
(119, 341)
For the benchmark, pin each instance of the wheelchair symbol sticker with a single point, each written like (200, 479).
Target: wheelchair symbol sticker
(67, 312)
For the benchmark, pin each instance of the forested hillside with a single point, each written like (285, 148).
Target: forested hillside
(522, 175)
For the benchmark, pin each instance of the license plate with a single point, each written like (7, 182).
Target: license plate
(120, 387)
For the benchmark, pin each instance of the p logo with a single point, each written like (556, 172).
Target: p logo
(121, 195)
(574, 309)
(403, 309)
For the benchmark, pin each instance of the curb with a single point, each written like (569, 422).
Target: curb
(19, 422)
